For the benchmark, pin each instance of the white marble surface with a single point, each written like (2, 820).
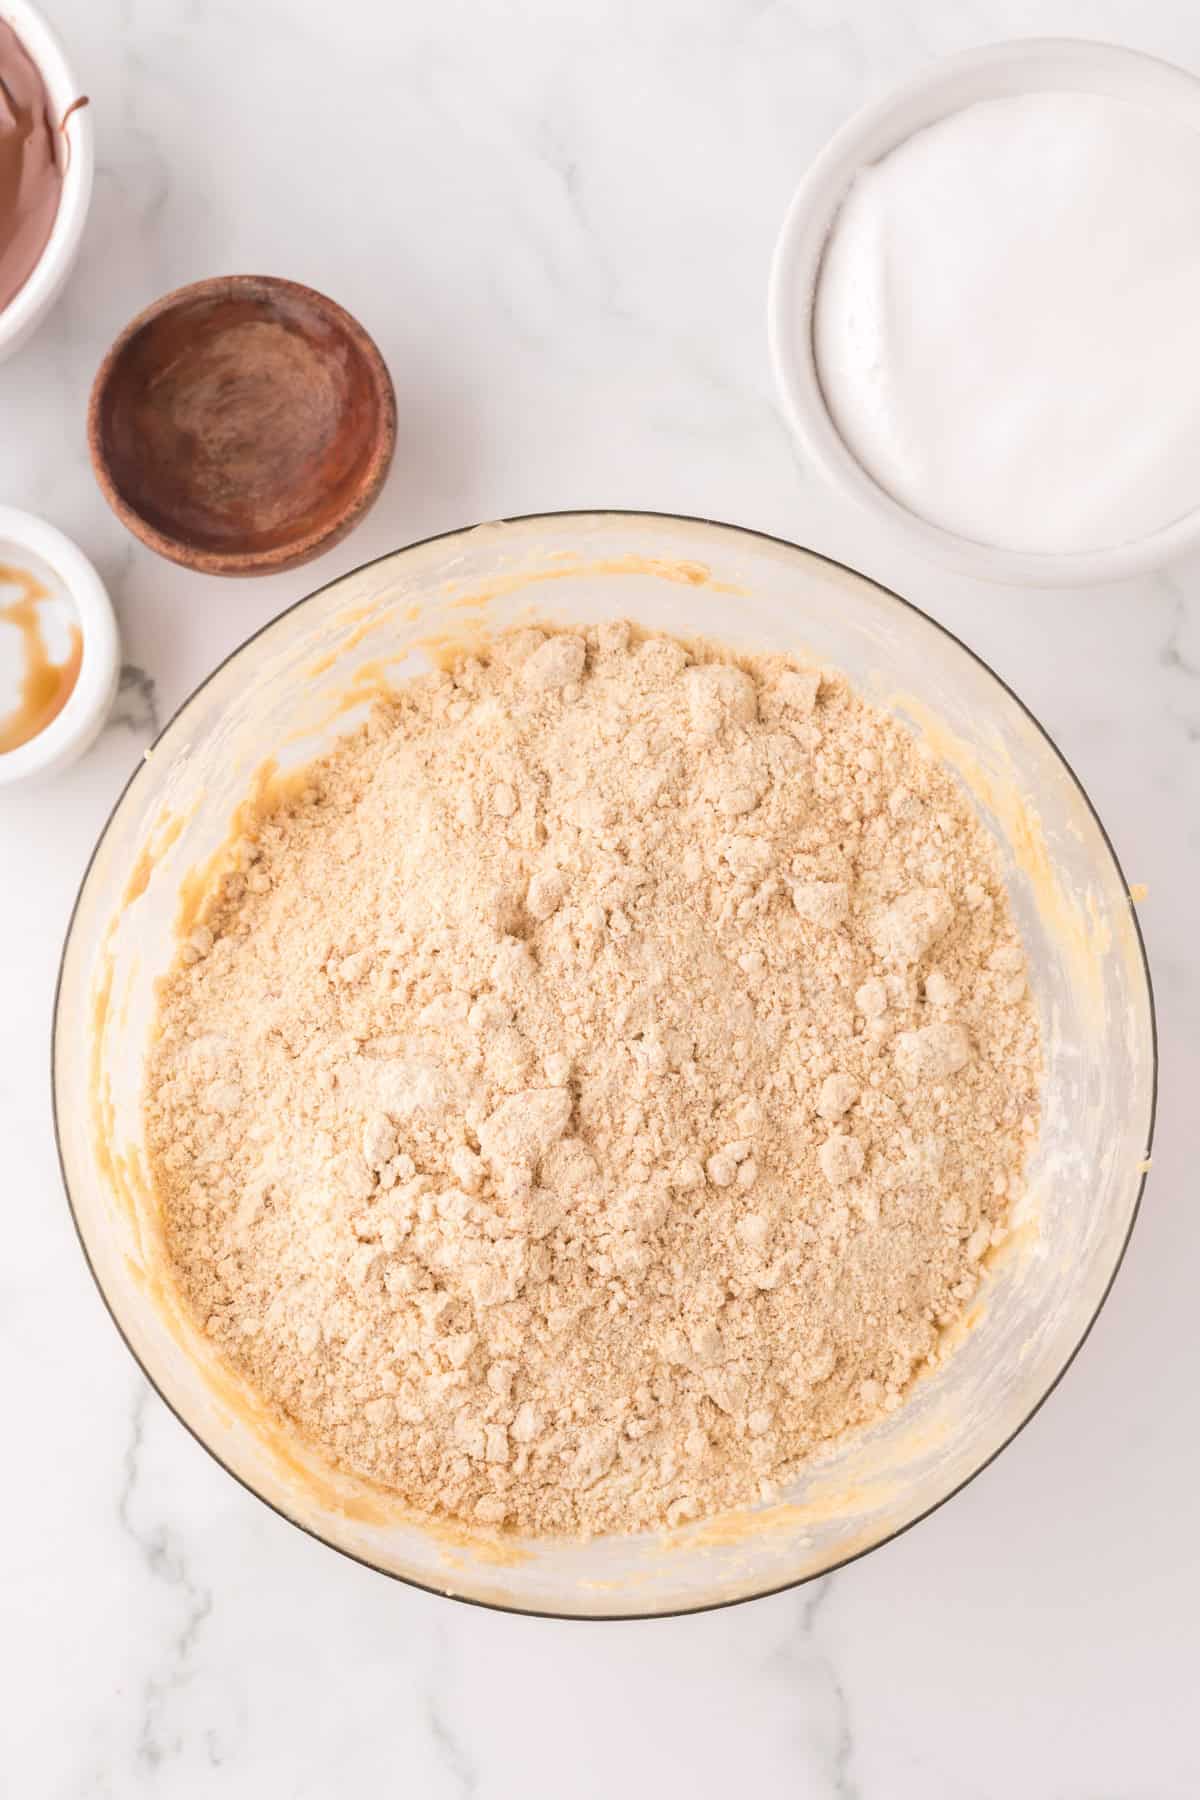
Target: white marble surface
(557, 219)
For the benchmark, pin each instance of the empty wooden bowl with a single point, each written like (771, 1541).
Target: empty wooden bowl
(242, 425)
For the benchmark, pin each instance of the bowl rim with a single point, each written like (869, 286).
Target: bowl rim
(306, 545)
(41, 288)
(543, 518)
(991, 71)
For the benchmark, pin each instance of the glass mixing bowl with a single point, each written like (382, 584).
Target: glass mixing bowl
(307, 676)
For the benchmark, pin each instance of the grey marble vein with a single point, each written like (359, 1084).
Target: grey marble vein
(450, 1753)
(165, 1559)
(1173, 654)
(1179, 650)
(136, 704)
(449, 1748)
(844, 1786)
(799, 1659)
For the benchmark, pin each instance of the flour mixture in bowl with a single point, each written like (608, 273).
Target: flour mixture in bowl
(592, 1087)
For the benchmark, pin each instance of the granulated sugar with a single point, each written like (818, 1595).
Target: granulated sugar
(593, 1091)
(1006, 321)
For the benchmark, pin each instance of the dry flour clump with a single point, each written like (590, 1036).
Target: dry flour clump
(593, 1089)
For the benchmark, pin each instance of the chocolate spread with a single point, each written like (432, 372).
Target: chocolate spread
(30, 171)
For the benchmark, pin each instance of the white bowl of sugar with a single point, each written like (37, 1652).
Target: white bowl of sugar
(984, 312)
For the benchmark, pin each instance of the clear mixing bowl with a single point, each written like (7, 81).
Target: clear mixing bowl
(307, 676)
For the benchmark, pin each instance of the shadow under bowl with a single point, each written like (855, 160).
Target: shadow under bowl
(242, 425)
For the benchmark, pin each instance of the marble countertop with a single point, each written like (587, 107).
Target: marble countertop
(557, 220)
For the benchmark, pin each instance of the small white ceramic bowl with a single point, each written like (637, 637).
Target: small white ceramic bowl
(30, 305)
(27, 542)
(1026, 65)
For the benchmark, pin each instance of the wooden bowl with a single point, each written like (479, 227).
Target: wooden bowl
(242, 425)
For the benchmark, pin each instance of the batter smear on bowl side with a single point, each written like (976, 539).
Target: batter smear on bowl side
(595, 1085)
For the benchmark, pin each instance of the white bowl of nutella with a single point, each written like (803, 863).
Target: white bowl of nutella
(59, 649)
(46, 158)
(981, 312)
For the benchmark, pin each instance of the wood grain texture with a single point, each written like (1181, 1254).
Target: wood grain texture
(242, 425)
